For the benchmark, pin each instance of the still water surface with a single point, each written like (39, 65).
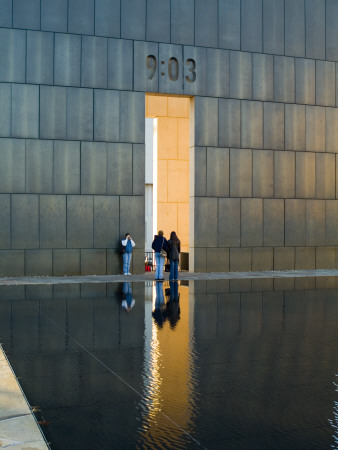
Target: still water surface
(216, 365)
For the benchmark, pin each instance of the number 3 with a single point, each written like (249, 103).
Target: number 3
(192, 76)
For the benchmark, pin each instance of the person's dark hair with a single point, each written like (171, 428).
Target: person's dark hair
(127, 234)
(173, 237)
(160, 232)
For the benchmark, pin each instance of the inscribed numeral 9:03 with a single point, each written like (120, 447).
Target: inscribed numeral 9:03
(173, 68)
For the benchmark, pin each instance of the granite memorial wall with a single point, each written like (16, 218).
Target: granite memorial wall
(264, 130)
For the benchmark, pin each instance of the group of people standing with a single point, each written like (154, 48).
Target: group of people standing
(166, 249)
(163, 249)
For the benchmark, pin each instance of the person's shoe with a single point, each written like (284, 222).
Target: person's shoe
(128, 273)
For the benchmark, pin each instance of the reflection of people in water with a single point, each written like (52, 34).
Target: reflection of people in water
(159, 314)
(128, 301)
(169, 310)
(173, 304)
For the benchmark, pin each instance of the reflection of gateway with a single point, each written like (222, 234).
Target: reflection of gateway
(168, 345)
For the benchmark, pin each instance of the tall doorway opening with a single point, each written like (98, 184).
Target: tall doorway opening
(167, 169)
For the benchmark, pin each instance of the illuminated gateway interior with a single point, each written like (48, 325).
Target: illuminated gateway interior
(167, 168)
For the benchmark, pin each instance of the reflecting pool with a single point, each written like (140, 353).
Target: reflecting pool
(246, 364)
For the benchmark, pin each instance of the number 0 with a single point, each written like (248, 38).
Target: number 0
(173, 69)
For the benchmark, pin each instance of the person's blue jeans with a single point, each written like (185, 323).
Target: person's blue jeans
(159, 301)
(173, 269)
(173, 290)
(159, 266)
(126, 263)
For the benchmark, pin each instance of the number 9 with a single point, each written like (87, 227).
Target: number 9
(151, 66)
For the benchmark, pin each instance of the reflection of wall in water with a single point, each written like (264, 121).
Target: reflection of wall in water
(287, 333)
(98, 323)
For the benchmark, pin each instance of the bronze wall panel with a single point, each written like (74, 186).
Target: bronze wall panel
(229, 215)
(331, 228)
(240, 173)
(262, 166)
(284, 172)
(218, 259)
(295, 28)
(325, 258)
(315, 129)
(262, 77)
(12, 165)
(240, 260)
(305, 175)
(229, 123)
(66, 167)
(325, 83)
(80, 221)
(262, 258)
(25, 221)
(251, 222)
(251, 124)
(331, 122)
(53, 223)
(294, 127)
(12, 263)
(273, 26)
(217, 172)
(284, 79)
(240, 75)
(39, 261)
(206, 121)
(93, 168)
(5, 221)
(273, 222)
(229, 24)
(273, 126)
(93, 261)
(315, 28)
(106, 222)
(305, 81)
(251, 25)
(315, 222)
(205, 220)
(198, 182)
(325, 175)
(295, 223)
(66, 262)
(284, 259)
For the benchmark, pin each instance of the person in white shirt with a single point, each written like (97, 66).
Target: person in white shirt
(127, 250)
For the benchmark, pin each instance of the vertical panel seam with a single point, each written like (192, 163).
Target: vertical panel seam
(94, 17)
(67, 16)
(146, 20)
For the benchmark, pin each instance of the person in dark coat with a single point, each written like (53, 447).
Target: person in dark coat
(174, 249)
(159, 243)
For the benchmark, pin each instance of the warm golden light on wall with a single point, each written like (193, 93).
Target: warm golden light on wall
(172, 114)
